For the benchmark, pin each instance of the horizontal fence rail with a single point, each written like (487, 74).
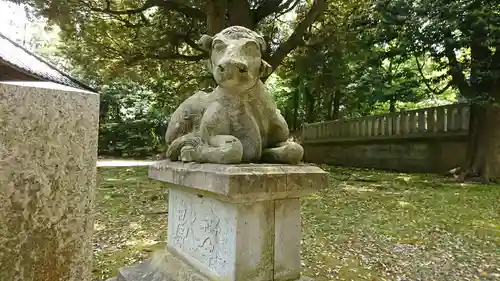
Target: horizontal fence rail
(448, 120)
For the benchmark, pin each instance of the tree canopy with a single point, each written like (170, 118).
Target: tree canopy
(139, 39)
(332, 59)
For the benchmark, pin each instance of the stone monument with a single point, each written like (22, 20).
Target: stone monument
(234, 177)
(238, 121)
(48, 154)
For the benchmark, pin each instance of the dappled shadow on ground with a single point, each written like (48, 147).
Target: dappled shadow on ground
(373, 225)
(130, 220)
(366, 225)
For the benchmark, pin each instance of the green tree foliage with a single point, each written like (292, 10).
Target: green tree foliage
(152, 43)
(359, 58)
(140, 38)
(351, 67)
(132, 120)
(463, 38)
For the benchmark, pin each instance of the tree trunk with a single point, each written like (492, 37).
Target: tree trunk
(483, 147)
(239, 13)
(295, 109)
(216, 16)
(392, 105)
(329, 104)
(310, 102)
(336, 105)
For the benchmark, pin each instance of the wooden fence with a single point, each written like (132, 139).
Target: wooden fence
(448, 120)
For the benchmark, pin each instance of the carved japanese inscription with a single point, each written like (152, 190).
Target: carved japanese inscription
(202, 228)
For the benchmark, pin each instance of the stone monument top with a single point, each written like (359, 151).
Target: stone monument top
(238, 122)
(242, 182)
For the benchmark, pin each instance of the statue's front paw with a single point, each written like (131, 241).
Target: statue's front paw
(288, 152)
(188, 154)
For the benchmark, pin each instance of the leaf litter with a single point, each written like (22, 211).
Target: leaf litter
(365, 225)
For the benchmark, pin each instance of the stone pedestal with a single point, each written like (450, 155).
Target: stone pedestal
(48, 154)
(233, 222)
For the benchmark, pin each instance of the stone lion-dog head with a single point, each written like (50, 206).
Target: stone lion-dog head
(236, 57)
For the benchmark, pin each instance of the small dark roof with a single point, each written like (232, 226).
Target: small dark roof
(20, 58)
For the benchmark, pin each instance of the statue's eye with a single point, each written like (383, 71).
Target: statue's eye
(252, 48)
(219, 45)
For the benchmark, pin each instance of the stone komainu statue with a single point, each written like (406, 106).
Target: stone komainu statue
(239, 121)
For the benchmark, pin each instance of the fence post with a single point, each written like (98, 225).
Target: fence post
(440, 119)
(431, 120)
(421, 121)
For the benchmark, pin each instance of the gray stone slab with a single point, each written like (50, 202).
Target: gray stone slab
(48, 154)
(237, 222)
(167, 267)
(242, 181)
(161, 267)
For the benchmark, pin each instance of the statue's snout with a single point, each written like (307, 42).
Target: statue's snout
(232, 66)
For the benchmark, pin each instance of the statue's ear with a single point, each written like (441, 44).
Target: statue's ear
(205, 42)
(265, 69)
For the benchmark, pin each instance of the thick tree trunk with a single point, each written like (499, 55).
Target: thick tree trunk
(224, 13)
(216, 15)
(239, 13)
(483, 148)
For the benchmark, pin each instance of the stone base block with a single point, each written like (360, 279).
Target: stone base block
(166, 267)
(236, 222)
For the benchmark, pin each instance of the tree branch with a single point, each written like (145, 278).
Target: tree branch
(287, 7)
(456, 73)
(165, 56)
(165, 4)
(426, 81)
(265, 9)
(270, 7)
(148, 4)
(185, 9)
(286, 47)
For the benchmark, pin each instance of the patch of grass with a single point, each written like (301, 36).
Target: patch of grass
(372, 225)
(127, 224)
(366, 225)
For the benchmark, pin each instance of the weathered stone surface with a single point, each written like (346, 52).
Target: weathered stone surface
(161, 267)
(430, 155)
(224, 241)
(237, 222)
(243, 182)
(238, 122)
(287, 239)
(167, 267)
(48, 153)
